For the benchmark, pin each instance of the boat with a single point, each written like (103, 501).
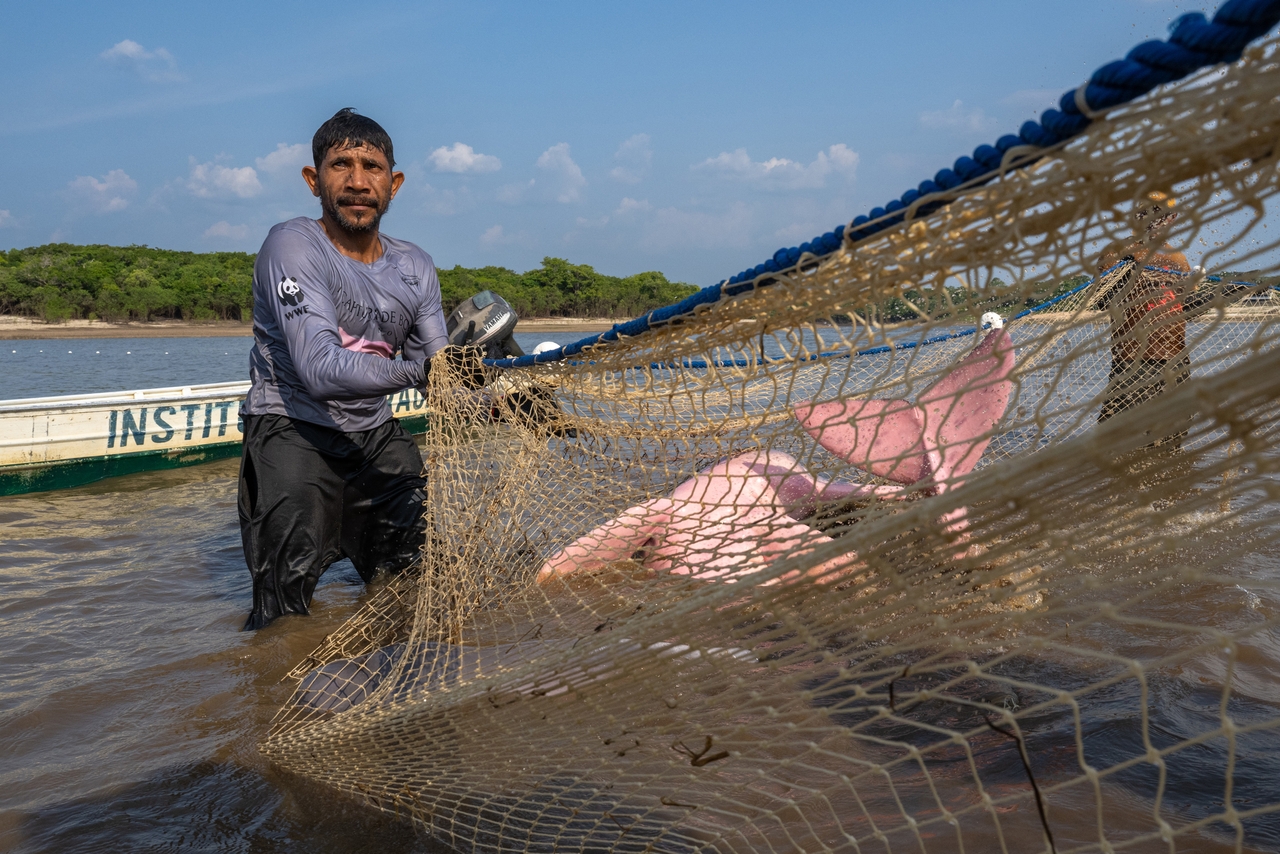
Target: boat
(71, 440)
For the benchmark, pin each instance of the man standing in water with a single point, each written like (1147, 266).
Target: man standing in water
(1148, 332)
(1150, 303)
(326, 472)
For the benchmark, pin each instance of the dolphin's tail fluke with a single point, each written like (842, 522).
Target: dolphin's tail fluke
(884, 437)
(941, 438)
(962, 409)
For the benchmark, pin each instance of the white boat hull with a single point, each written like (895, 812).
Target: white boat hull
(56, 442)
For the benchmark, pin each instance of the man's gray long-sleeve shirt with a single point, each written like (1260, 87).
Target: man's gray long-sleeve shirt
(326, 327)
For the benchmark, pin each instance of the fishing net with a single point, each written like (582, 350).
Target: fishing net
(830, 564)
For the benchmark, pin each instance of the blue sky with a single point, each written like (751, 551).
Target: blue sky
(691, 138)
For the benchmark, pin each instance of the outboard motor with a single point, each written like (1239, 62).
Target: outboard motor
(485, 321)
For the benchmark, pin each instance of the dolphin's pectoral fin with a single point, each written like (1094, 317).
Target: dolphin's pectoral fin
(883, 437)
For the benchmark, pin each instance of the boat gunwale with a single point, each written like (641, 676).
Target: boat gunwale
(150, 395)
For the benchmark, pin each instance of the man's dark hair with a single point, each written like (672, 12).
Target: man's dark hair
(348, 130)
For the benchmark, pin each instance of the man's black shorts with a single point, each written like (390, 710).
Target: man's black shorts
(311, 495)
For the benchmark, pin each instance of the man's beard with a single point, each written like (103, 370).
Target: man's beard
(334, 208)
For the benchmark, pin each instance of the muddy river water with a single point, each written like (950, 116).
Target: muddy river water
(131, 704)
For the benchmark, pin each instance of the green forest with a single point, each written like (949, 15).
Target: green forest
(61, 281)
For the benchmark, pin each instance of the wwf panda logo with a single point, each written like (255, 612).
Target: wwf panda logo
(289, 292)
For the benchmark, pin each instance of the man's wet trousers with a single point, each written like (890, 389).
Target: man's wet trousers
(312, 495)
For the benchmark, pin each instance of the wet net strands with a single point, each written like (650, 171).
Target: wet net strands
(829, 566)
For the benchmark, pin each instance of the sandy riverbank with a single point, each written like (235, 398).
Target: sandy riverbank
(585, 325)
(25, 329)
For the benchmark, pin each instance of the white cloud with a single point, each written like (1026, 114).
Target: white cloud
(675, 227)
(157, 65)
(461, 157)
(446, 202)
(286, 158)
(226, 229)
(7, 219)
(779, 172)
(634, 158)
(213, 180)
(129, 51)
(1035, 100)
(107, 194)
(630, 205)
(957, 118)
(897, 162)
(564, 177)
(561, 179)
(668, 228)
(796, 232)
(514, 193)
(497, 236)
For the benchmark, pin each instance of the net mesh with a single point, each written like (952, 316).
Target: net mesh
(826, 566)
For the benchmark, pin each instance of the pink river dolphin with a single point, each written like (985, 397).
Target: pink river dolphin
(741, 514)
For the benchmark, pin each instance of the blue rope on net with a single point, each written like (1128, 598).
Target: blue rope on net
(882, 348)
(701, 364)
(1194, 43)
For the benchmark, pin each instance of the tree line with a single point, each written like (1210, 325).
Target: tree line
(561, 289)
(62, 281)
